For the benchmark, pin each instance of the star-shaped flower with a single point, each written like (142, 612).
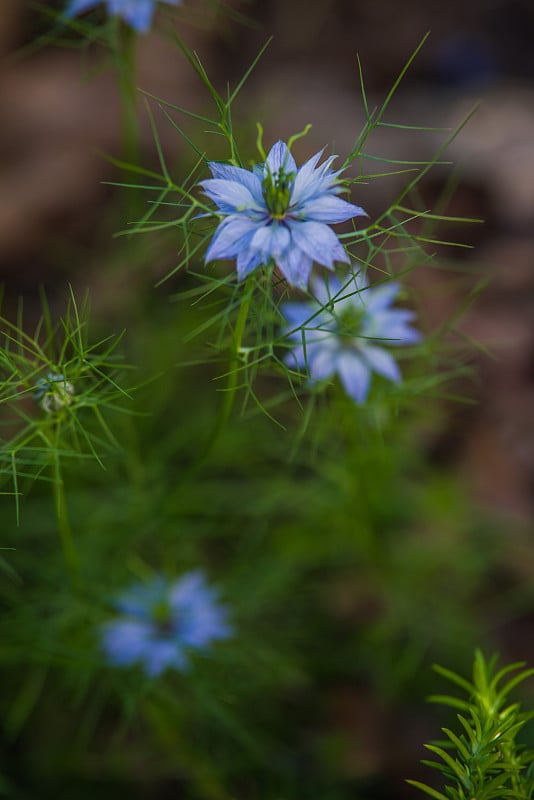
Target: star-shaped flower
(137, 13)
(279, 213)
(162, 622)
(346, 332)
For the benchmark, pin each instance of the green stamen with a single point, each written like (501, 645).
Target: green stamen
(162, 616)
(277, 192)
(351, 322)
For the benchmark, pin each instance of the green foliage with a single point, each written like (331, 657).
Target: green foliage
(46, 421)
(482, 759)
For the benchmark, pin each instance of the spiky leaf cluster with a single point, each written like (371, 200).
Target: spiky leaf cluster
(482, 759)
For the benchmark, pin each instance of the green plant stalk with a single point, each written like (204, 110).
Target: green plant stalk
(230, 390)
(63, 523)
(125, 51)
(61, 509)
(233, 367)
(62, 516)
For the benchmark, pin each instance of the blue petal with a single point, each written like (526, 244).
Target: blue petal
(296, 359)
(322, 358)
(319, 242)
(163, 654)
(247, 261)
(271, 241)
(79, 6)
(297, 314)
(304, 180)
(280, 157)
(125, 641)
(329, 208)
(382, 362)
(205, 625)
(295, 266)
(233, 235)
(230, 195)
(137, 13)
(228, 172)
(380, 297)
(391, 325)
(354, 374)
(190, 589)
(326, 290)
(305, 184)
(311, 182)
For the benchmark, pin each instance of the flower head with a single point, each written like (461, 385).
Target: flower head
(161, 621)
(346, 332)
(279, 213)
(53, 392)
(137, 13)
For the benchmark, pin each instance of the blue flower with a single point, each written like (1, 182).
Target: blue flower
(345, 332)
(137, 13)
(161, 622)
(278, 213)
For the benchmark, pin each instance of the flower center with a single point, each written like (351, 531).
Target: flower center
(163, 617)
(350, 323)
(277, 191)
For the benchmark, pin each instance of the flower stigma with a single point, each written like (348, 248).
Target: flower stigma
(277, 192)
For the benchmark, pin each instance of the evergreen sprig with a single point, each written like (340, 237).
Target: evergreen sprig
(482, 759)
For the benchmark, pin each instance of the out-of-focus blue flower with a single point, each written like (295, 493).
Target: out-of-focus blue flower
(161, 622)
(346, 331)
(137, 13)
(279, 213)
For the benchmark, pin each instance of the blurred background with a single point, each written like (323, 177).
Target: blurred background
(472, 541)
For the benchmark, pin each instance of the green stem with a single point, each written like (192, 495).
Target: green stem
(230, 390)
(126, 75)
(124, 45)
(63, 522)
(233, 367)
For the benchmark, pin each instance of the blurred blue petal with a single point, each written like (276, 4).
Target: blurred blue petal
(79, 6)
(355, 376)
(346, 331)
(319, 242)
(381, 361)
(137, 13)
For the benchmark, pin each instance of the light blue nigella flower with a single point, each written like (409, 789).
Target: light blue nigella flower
(279, 213)
(137, 13)
(161, 621)
(346, 332)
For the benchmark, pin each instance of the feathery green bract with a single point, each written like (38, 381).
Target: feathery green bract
(56, 388)
(482, 759)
